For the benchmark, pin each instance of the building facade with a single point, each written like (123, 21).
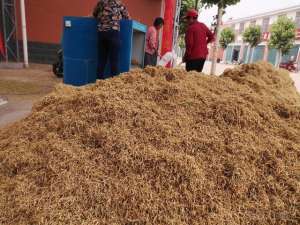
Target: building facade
(239, 51)
(45, 26)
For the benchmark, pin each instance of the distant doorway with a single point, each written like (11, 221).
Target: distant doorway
(235, 55)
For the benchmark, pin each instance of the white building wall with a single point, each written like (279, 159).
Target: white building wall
(291, 15)
(259, 20)
(247, 24)
(273, 19)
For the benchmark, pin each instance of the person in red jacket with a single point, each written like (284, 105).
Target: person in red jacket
(196, 39)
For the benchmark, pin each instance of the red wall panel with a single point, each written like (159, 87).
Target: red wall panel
(44, 17)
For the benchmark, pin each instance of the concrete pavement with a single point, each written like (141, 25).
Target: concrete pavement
(21, 88)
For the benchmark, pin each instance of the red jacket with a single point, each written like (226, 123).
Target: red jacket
(196, 39)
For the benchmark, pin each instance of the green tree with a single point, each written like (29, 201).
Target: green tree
(252, 36)
(227, 36)
(283, 33)
(222, 4)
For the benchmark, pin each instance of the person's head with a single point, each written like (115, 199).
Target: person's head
(191, 16)
(158, 23)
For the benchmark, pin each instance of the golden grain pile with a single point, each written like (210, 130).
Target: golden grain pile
(157, 147)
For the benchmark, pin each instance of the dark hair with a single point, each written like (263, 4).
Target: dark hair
(158, 21)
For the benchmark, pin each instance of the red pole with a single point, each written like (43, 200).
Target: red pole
(2, 45)
(167, 39)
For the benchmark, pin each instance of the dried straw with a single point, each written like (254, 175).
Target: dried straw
(157, 147)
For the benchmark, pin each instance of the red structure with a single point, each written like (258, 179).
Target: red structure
(168, 30)
(44, 18)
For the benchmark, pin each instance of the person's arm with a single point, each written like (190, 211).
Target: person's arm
(210, 36)
(189, 43)
(98, 8)
(152, 39)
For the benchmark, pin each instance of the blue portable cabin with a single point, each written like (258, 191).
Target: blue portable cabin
(81, 54)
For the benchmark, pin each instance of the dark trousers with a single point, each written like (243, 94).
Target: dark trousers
(109, 51)
(150, 60)
(195, 64)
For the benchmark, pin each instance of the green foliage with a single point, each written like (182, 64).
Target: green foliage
(186, 5)
(181, 41)
(283, 34)
(227, 37)
(219, 3)
(252, 35)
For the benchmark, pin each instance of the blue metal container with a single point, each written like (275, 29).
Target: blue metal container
(80, 50)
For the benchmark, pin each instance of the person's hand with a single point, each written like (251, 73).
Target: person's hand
(158, 54)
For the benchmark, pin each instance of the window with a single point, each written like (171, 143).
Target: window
(265, 24)
(298, 20)
(242, 27)
(233, 26)
(252, 23)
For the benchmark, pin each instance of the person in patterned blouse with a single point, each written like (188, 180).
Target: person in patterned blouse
(109, 13)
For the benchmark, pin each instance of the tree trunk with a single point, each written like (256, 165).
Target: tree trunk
(215, 46)
(278, 58)
(224, 55)
(252, 54)
(248, 54)
(197, 4)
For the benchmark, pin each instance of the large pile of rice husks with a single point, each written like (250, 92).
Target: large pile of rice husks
(157, 147)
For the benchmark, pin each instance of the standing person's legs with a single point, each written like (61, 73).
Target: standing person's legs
(114, 52)
(147, 60)
(103, 53)
(154, 59)
(150, 60)
(195, 65)
(201, 65)
(189, 65)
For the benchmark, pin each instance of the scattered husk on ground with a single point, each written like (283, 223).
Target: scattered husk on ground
(157, 147)
(12, 87)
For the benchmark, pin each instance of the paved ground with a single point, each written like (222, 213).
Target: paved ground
(39, 80)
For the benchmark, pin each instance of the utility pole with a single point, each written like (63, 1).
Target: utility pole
(24, 33)
(217, 35)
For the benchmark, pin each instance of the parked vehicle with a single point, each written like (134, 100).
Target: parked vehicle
(57, 67)
(290, 66)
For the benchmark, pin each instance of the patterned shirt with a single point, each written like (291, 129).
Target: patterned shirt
(109, 13)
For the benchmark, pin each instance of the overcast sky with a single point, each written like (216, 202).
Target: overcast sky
(247, 8)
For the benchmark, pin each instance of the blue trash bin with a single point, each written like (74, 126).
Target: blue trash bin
(80, 50)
